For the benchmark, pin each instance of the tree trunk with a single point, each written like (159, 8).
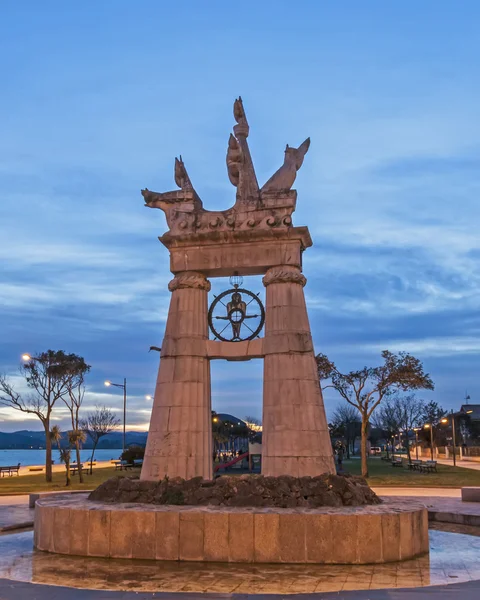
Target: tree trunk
(48, 452)
(91, 458)
(80, 470)
(348, 448)
(408, 450)
(67, 472)
(364, 446)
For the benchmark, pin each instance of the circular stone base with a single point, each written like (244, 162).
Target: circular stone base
(395, 530)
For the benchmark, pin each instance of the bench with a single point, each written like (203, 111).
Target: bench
(120, 465)
(74, 468)
(398, 462)
(429, 466)
(415, 465)
(10, 470)
(138, 462)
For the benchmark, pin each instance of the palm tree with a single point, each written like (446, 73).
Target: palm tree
(56, 437)
(76, 437)
(65, 454)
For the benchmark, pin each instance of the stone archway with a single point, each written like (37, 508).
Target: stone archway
(254, 237)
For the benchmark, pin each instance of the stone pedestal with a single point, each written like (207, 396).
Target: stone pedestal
(296, 440)
(389, 532)
(180, 434)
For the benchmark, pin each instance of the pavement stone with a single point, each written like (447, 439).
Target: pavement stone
(15, 515)
(11, 590)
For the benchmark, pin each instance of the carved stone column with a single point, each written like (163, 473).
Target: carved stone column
(296, 440)
(180, 435)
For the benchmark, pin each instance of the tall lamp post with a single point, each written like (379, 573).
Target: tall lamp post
(430, 426)
(416, 430)
(124, 387)
(452, 417)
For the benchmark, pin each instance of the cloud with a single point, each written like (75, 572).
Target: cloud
(389, 188)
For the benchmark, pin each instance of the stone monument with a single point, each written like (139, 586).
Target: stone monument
(325, 519)
(254, 237)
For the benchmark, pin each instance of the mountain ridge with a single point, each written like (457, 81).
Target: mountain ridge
(35, 440)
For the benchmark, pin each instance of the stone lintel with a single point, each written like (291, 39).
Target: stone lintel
(219, 254)
(235, 350)
(285, 343)
(183, 346)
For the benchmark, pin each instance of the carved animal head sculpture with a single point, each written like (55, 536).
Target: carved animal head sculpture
(297, 155)
(284, 178)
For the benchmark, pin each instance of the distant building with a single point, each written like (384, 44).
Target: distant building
(475, 408)
(226, 418)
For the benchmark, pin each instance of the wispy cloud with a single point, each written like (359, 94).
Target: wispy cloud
(389, 188)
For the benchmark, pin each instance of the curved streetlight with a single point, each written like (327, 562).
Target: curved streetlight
(26, 357)
(124, 387)
(148, 397)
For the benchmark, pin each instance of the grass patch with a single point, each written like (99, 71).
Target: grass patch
(36, 483)
(383, 474)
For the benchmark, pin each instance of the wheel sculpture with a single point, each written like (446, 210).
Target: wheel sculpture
(237, 314)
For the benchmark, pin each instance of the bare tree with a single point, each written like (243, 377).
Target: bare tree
(73, 401)
(387, 419)
(366, 388)
(98, 424)
(409, 410)
(347, 422)
(48, 376)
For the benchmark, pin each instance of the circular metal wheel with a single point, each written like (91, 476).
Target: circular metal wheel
(238, 318)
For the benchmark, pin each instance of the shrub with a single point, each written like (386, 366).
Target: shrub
(133, 453)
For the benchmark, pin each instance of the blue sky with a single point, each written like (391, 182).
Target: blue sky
(98, 98)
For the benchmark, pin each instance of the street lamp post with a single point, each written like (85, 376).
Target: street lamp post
(454, 443)
(445, 420)
(124, 387)
(430, 426)
(453, 440)
(416, 429)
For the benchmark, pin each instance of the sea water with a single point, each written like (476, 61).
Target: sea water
(37, 457)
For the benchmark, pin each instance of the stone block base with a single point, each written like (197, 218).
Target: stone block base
(393, 531)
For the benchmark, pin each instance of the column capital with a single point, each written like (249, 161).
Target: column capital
(189, 279)
(284, 274)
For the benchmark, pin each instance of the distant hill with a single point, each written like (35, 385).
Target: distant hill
(24, 440)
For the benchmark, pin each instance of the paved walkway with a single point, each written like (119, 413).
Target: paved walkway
(464, 464)
(23, 499)
(444, 504)
(11, 590)
(419, 492)
(14, 511)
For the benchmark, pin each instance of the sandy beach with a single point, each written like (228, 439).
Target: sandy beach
(59, 468)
